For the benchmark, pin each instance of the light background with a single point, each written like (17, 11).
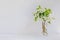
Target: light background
(16, 18)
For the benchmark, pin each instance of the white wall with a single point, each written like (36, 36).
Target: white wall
(25, 16)
(16, 17)
(26, 24)
(8, 16)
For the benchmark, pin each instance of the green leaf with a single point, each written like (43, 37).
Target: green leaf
(36, 18)
(39, 7)
(43, 13)
(40, 15)
(49, 22)
(47, 12)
